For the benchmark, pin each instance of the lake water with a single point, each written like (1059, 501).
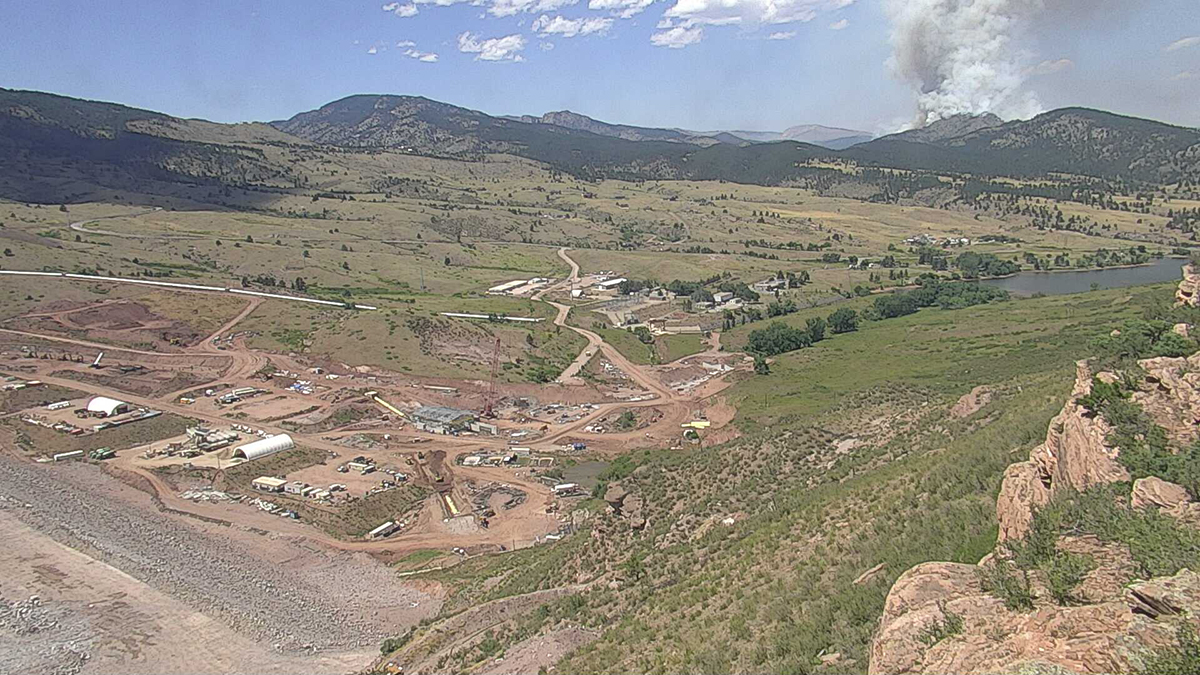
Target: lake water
(1060, 283)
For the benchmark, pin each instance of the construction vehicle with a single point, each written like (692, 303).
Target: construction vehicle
(101, 454)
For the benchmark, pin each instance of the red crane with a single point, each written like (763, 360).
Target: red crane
(490, 402)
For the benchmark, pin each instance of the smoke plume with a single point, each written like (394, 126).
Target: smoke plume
(963, 56)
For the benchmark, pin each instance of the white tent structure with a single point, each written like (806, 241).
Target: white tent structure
(262, 448)
(106, 407)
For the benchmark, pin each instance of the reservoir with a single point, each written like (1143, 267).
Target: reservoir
(1060, 283)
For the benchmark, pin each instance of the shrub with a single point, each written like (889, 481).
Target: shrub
(1011, 586)
(949, 625)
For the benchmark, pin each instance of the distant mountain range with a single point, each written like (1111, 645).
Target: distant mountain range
(826, 137)
(47, 132)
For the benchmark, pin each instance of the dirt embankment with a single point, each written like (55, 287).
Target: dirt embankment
(266, 599)
(949, 617)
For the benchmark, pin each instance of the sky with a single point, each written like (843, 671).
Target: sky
(873, 65)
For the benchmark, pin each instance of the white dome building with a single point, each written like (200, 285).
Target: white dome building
(103, 406)
(263, 448)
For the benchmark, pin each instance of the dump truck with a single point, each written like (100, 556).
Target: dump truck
(101, 454)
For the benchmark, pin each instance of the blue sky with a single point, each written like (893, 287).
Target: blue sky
(699, 64)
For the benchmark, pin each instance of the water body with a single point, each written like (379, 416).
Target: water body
(1061, 283)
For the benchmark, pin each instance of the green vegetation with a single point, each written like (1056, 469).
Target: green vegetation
(1010, 585)
(1145, 449)
(1159, 545)
(1182, 659)
(948, 626)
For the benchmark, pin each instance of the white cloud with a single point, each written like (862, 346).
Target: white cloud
(406, 43)
(511, 7)
(1183, 44)
(1185, 75)
(839, 25)
(621, 8)
(401, 10)
(1051, 67)
(664, 24)
(782, 35)
(373, 51)
(546, 46)
(505, 48)
(677, 37)
(751, 12)
(567, 28)
(423, 57)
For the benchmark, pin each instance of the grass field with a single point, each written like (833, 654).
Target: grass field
(944, 350)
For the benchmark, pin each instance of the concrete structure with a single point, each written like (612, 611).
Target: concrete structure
(103, 406)
(268, 484)
(723, 296)
(484, 428)
(264, 447)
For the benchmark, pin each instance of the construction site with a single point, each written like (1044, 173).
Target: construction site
(197, 424)
(344, 460)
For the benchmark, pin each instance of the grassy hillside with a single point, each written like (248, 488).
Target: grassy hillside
(827, 485)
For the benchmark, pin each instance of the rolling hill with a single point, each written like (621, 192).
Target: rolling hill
(40, 134)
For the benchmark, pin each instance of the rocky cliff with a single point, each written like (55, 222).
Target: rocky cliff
(1189, 289)
(949, 617)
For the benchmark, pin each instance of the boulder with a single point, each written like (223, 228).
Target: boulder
(1156, 492)
(1023, 489)
(1166, 596)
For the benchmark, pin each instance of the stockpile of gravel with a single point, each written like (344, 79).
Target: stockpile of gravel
(331, 606)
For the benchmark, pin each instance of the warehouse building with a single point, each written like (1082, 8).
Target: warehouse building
(262, 448)
(103, 406)
(443, 420)
(268, 484)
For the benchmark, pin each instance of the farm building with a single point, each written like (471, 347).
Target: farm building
(103, 406)
(507, 286)
(442, 420)
(611, 283)
(264, 447)
(268, 484)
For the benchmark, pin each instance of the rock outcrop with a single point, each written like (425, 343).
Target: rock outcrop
(625, 504)
(1188, 292)
(939, 619)
(1073, 457)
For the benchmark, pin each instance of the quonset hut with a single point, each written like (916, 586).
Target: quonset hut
(263, 448)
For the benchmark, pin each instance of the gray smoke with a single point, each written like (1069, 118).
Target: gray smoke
(963, 56)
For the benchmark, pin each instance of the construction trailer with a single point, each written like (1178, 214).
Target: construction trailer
(64, 456)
